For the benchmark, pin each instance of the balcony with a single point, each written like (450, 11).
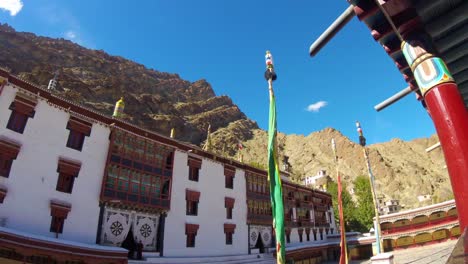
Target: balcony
(414, 227)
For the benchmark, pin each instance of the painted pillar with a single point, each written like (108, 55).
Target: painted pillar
(448, 113)
(161, 227)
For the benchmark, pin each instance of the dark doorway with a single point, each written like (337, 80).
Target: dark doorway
(259, 244)
(129, 243)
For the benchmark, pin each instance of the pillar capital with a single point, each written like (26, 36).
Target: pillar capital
(428, 69)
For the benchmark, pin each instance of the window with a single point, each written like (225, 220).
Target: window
(192, 208)
(194, 168)
(229, 231)
(17, 122)
(192, 198)
(59, 213)
(321, 234)
(229, 204)
(191, 233)
(56, 226)
(75, 140)
(8, 153)
(79, 129)
(307, 231)
(139, 171)
(21, 109)
(228, 238)
(300, 232)
(229, 174)
(315, 235)
(68, 171)
(194, 173)
(191, 240)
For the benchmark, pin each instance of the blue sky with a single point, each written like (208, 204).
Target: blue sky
(224, 42)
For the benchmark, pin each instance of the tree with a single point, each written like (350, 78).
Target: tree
(349, 209)
(365, 207)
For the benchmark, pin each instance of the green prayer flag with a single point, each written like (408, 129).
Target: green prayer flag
(276, 192)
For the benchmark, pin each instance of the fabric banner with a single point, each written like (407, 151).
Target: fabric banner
(344, 251)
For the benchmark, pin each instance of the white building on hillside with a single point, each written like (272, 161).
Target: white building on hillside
(71, 178)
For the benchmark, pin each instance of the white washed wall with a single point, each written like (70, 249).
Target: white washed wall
(210, 240)
(33, 177)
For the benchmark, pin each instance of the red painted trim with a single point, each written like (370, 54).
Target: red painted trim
(191, 228)
(9, 149)
(229, 228)
(192, 195)
(58, 209)
(450, 118)
(229, 202)
(68, 167)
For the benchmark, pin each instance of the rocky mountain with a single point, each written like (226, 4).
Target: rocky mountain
(403, 170)
(160, 101)
(155, 100)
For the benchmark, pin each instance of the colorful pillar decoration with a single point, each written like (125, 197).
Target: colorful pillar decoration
(119, 108)
(274, 178)
(447, 111)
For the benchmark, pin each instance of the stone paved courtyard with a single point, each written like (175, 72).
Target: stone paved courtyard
(437, 253)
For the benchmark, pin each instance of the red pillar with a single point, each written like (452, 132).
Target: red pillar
(448, 112)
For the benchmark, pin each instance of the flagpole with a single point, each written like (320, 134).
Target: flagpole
(362, 142)
(274, 178)
(343, 245)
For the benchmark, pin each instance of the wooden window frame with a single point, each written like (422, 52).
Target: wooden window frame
(229, 205)
(8, 153)
(194, 165)
(59, 212)
(138, 163)
(192, 199)
(229, 174)
(67, 172)
(229, 231)
(21, 110)
(191, 231)
(79, 129)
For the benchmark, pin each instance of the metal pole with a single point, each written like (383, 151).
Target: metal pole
(431, 148)
(362, 142)
(393, 99)
(376, 204)
(331, 31)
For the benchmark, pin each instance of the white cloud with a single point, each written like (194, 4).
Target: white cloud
(315, 107)
(70, 34)
(13, 6)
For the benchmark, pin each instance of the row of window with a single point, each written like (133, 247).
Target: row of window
(257, 183)
(23, 109)
(193, 197)
(194, 165)
(191, 231)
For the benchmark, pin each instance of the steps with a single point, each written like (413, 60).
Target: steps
(236, 259)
